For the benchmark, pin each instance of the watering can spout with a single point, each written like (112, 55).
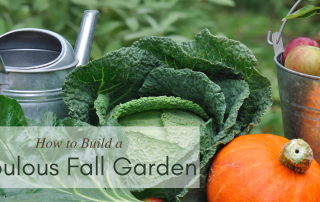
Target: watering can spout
(82, 48)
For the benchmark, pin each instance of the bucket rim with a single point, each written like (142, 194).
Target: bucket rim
(279, 65)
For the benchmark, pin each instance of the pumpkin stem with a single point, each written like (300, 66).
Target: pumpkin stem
(297, 156)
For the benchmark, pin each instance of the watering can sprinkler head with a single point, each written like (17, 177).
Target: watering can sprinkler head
(83, 46)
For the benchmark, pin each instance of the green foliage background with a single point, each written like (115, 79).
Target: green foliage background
(121, 22)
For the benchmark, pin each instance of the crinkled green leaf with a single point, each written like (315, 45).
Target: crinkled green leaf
(150, 103)
(238, 57)
(235, 92)
(230, 53)
(119, 74)
(174, 56)
(101, 105)
(157, 139)
(207, 144)
(188, 85)
(306, 11)
(207, 151)
(176, 117)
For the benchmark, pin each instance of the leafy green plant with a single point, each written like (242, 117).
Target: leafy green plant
(211, 80)
(11, 115)
(119, 23)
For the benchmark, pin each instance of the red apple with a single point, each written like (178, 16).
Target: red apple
(304, 59)
(298, 42)
(152, 199)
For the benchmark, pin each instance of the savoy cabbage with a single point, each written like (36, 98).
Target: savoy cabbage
(211, 79)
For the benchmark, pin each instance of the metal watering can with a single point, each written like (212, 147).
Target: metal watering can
(299, 98)
(34, 63)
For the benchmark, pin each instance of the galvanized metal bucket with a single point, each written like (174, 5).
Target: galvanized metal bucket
(299, 98)
(35, 62)
(300, 105)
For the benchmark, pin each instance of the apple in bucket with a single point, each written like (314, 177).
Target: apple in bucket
(298, 42)
(304, 59)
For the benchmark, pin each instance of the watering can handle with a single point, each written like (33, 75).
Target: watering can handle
(277, 41)
(277, 47)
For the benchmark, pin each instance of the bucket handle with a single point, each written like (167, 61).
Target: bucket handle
(277, 47)
(276, 37)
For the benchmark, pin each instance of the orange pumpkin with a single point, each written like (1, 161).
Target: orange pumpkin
(264, 167)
